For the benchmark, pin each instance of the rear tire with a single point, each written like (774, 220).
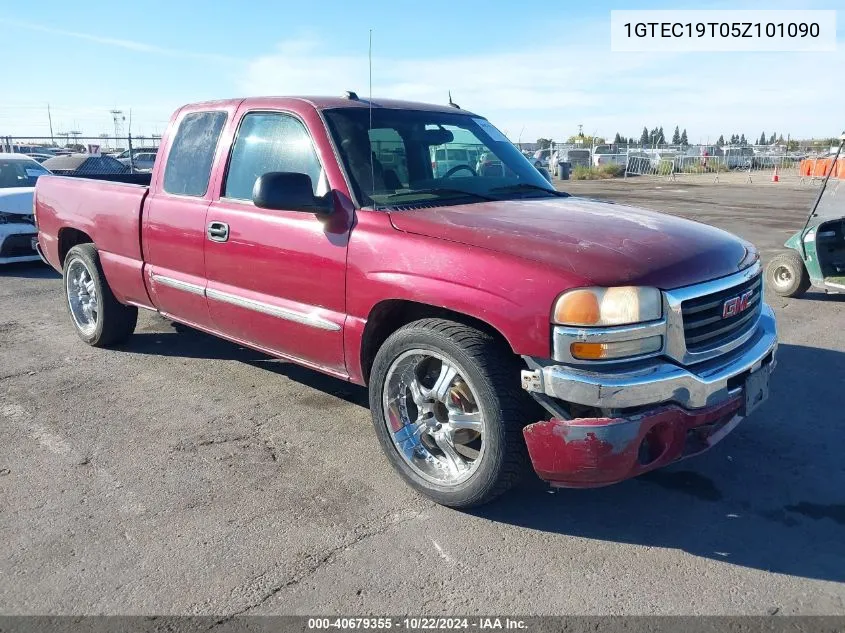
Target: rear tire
(99, 318)
(787, 276)
(484, 460)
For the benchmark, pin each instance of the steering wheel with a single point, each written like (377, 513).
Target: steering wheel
(459, 168)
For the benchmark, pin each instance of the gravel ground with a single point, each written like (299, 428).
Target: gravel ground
(186, 475)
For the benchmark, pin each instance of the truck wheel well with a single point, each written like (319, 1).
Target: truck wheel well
(68, 238)
(388, 316)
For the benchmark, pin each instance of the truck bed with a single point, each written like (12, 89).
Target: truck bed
(109, 213)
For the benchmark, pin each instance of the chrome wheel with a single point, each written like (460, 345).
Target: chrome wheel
(782, 276)
(433, 417)
(82, 297)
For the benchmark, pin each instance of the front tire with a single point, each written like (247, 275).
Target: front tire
(448, 411)
(787, 275)
(99, 318)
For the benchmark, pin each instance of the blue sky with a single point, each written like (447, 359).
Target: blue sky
(540, 69)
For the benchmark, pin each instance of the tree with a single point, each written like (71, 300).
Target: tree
(661, 138)
(773, 139)
(632, 141)
(720, 141)
(618, 140)
(644, 138)
(742, 140)
(676, 136)
(762, 139)
(653, 136)
(544, 143)
(684, 139)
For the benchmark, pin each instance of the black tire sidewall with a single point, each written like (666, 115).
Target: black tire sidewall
(87, 254)
(484, 479)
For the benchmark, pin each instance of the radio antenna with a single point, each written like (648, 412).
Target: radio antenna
(370, 107)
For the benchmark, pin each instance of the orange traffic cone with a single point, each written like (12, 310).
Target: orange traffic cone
(775, 177)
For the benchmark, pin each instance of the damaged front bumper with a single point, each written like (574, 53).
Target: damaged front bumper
(673, 411)
(16, 243)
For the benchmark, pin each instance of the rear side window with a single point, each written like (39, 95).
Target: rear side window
(192, 152)
(266, 142)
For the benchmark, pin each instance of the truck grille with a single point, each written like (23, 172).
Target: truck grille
(705, 324)
(18, 245)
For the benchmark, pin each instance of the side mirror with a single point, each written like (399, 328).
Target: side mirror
(545, 173)
(288, 191)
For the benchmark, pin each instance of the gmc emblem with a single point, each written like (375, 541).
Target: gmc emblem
(736, 305)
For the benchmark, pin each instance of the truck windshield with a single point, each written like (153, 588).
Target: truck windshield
(20, 172)
(409, 157)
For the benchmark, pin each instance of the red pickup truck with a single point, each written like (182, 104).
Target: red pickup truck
(495, 320)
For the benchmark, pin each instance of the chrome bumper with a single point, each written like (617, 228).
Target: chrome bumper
(658, 381)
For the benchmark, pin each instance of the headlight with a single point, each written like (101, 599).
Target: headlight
(602, 307)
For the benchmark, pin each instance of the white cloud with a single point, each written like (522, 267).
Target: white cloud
(132, 45)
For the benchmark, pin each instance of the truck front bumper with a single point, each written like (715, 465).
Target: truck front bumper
(675, 412)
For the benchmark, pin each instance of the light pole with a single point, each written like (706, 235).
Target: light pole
(118, 118)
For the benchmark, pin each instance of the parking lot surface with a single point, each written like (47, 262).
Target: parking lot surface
(181, 474)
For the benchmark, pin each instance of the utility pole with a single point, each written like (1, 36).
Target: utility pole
(50, 119)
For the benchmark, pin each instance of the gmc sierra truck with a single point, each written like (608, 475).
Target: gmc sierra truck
(496, 321)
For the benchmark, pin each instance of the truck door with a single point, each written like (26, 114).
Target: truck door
(276, 278)
(174, 227)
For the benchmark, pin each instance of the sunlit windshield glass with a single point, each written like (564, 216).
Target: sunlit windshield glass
(409, 157)
(19, 172)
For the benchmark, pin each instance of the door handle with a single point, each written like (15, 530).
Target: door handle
(218, 231)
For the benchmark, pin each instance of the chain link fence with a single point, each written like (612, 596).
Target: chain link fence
(78, 155)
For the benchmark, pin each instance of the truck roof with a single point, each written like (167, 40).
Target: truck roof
(328, 103)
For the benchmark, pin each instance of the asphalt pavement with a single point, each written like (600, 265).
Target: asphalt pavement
(181, 474)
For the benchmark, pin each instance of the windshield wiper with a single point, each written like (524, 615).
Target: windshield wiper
(440, 191)
(525, 186)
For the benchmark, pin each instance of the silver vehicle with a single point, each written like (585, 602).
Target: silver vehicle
(575, 158)
(143, 161)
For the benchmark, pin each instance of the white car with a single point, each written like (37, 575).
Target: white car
(18, 234)
(446, 159)
(608, 155)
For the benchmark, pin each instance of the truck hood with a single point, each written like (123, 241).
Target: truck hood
(603, 243)
(17, 200)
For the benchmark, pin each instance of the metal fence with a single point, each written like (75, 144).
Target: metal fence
(743, 163)
(87, 155)
(746, 163)
(108, 155)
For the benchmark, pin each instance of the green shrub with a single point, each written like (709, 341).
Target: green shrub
(611, 171)
(597, 173)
